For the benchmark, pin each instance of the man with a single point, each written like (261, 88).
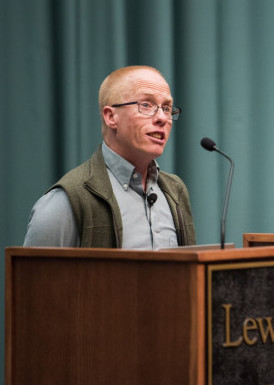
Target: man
(119, 198)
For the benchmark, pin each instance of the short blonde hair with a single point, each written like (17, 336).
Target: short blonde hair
(114, 85)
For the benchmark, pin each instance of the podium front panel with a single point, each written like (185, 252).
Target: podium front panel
(104, 320)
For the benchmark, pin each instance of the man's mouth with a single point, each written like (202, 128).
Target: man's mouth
(157, 135)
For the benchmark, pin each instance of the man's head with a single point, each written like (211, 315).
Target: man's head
(127, 129)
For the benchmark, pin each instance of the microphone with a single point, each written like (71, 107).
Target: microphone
(151, 199)
(210, 145)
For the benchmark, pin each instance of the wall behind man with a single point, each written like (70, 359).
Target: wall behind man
(218, 57)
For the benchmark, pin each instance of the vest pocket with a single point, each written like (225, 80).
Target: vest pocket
(98, 236)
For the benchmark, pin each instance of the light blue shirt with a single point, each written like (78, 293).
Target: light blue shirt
(52, 221)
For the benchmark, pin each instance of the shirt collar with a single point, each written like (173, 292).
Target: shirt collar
(123, 170)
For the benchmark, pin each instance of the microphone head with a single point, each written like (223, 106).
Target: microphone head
(208, 144)
(151, 199)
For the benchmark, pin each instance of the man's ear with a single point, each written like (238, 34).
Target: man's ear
(110, 116)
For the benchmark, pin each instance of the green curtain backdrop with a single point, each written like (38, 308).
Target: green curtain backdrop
(218, 56)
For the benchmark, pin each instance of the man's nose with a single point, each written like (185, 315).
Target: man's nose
(161, 115)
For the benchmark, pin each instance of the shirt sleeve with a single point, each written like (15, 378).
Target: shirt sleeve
(52, 222)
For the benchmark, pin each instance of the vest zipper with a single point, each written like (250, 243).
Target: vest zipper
(182, 234)
(115, 227)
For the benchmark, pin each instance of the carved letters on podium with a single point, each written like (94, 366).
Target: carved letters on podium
(241, 323)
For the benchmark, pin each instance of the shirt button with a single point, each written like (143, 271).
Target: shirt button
(157, 229)
(125, 186)
(134, 176)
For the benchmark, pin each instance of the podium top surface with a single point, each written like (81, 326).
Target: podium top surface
(194, 255)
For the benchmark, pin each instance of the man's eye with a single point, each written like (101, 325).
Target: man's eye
(146, 105)
(166, 109)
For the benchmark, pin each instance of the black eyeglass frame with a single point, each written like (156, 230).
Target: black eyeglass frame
(173, 113)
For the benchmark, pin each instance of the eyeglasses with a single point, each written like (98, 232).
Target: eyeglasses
(150, 109)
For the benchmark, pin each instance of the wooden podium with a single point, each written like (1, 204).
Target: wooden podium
(107, 317)
(258, 239)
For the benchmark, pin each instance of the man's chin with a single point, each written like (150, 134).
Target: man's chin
(157, 153)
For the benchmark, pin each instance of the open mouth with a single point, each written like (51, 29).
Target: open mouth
(157, 135)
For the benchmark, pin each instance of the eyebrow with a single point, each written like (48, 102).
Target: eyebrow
(151, 95)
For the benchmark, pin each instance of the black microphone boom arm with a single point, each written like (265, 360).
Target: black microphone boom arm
(223, 218)
(210, 145)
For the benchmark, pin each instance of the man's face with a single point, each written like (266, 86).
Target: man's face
(141, 138)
